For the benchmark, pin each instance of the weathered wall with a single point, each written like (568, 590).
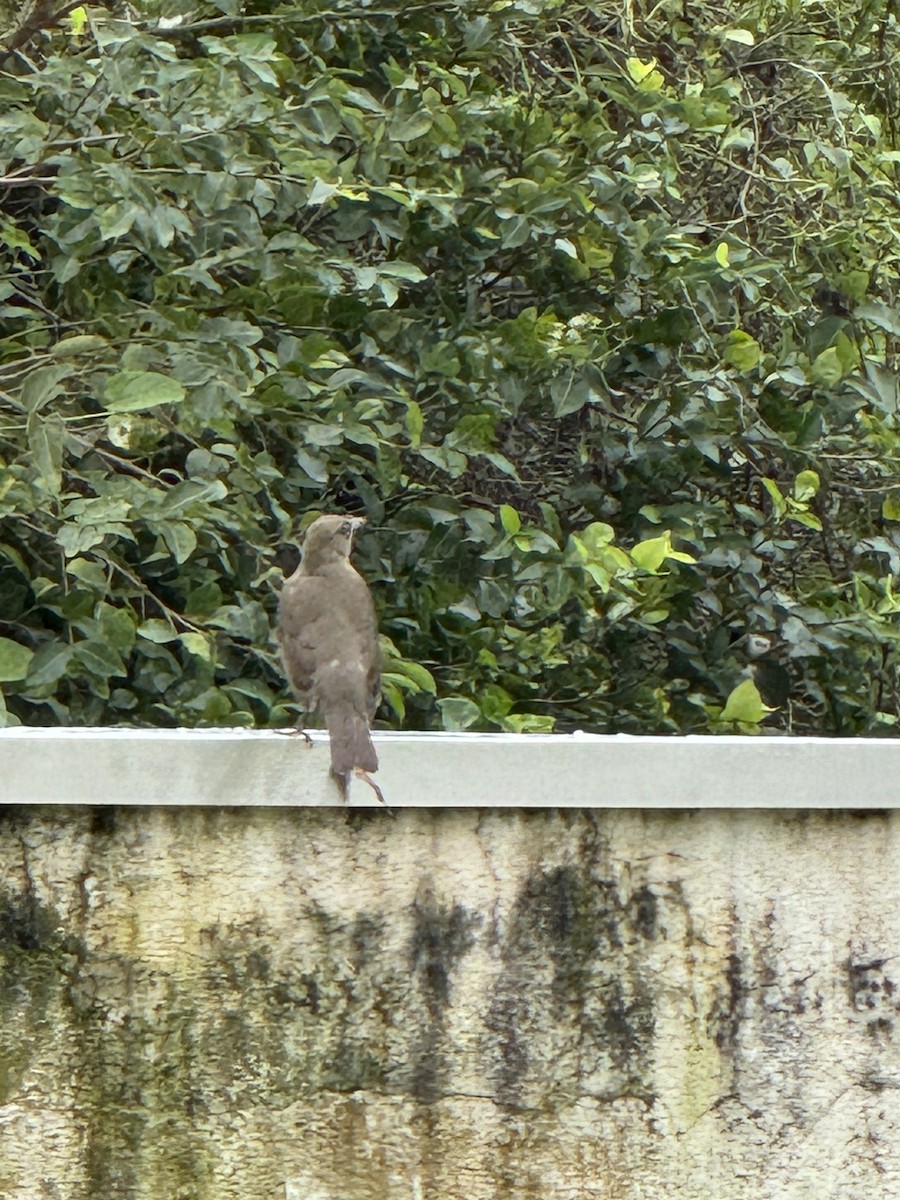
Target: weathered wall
(251, 1004)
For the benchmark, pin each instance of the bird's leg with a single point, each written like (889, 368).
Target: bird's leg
(367, 778)
(298, 728)
(343, 782)
(295, 729)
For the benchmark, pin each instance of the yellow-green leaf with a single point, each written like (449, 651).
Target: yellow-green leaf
(722, 254)
(510, 519)
(652, 552)
(806, 485)
(419, 677)
(415, 423)
(639, 70)
(741, 350)
(745, 705)
(196, 644)
(890, 509)
(644, 74)
(775, 493)
(77, 20)
(810, 520)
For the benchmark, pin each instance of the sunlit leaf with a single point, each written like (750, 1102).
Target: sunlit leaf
(133, 391)
(806, 485)
(745, 705)
(510, 519)
(741, 350)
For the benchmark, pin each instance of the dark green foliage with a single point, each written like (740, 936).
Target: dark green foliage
(595, 321)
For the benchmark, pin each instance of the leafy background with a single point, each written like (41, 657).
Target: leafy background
(589, 308)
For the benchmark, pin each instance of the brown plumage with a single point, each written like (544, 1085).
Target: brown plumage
(329, 645)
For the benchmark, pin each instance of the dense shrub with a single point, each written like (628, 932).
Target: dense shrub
(590, 308)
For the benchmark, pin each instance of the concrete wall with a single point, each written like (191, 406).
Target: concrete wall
(311, 1003)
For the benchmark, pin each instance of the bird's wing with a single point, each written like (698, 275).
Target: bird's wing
(326, 628)
(304, 614)
(366, 631)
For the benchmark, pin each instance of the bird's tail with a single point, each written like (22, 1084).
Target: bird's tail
(351, 742)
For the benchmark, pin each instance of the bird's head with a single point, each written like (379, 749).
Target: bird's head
(329, 540)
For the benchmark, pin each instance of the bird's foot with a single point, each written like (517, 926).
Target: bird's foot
(343, 782)
(367, 778)
(293, 731)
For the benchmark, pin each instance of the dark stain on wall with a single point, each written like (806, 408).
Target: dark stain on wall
(873, 994)
(35, 959)
(572, 976)
(441, 936)
(727, 1012)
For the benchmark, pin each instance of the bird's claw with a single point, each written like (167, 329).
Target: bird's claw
(367, 778)
(343, 782)
(293, 731)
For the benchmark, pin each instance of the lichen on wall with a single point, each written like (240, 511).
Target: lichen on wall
(250, 1004)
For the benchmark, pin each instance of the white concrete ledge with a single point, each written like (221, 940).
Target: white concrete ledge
(423, 770)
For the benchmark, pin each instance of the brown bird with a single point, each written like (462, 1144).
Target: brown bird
(329, 645)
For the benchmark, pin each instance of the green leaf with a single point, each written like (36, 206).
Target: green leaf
(180, 538)
(133, 391)
(810, 520)
(806, 485)
(321, 191)
(83, 343)
(409, 126)
(722, 254)
(88, 571)
(595, 537)
(890, 508)
(393, 697)
(15, 660)
(156, 630)
(77, 20)
(510, 519)
(46, 439)
(440, 359)
(741, 350)
(745, 705)
(826, 369)
(198, 645)
(644, 75)
(415, 423)
(528, 723)
(397, 269)
(777, 498)
(651, 553)
(743, 36)
(458, 713)
(49, 664)
(875, 312)
(419, 676)
(43, 385)
(99, 659)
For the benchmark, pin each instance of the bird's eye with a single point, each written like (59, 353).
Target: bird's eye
(346, 529)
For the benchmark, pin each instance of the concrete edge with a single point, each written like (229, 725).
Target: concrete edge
(238, 767)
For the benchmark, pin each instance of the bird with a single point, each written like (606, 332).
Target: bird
(328, 637)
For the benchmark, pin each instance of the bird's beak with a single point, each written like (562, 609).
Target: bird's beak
(357, 523)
